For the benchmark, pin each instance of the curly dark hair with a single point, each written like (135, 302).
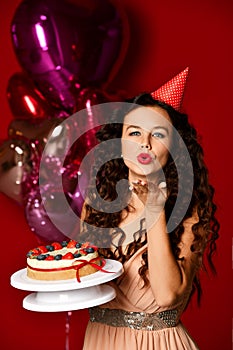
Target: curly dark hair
(107, 180)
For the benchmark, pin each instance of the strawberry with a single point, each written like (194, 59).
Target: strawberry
(42, 249)
(83, 251)
(68, 255)
(49, 257)
(71, 244)
(85, 245)
(56, 245)
(35, 251)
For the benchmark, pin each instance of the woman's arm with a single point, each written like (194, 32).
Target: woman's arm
(168, 277)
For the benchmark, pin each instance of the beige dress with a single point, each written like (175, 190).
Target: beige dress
(105, 330)
(131, 297)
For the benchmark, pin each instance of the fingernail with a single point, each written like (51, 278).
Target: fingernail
(162, 184)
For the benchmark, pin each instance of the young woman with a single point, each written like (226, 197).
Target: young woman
(159, 222)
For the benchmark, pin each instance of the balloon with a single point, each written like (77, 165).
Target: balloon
(47, 196)
(26, 101)
(85, 117)
(52, 168)
(16, 162)
(37, 131)
(39, 221)
(59, 42)
(76, 195)
(75, 180)
(91, 96)
(70, 177)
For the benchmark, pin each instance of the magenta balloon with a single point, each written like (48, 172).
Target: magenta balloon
(57, 42)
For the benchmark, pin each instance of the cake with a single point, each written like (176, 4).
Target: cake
(62, 261)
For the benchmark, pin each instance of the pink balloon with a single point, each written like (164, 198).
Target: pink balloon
(59, 43)
(78, 196)
(75, 183)
(40, 221)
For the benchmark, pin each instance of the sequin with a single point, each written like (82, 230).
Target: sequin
(134, 320)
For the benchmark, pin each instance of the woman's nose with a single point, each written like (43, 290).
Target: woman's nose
(145, 145)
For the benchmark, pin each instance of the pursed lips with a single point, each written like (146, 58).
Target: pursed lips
(144, 158)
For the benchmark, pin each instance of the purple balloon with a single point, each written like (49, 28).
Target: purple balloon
(58, 42)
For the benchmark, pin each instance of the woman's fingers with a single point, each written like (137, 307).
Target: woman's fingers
(156, 193)
(145, 186)
(139, 186)
(163, 188)
(162, 185)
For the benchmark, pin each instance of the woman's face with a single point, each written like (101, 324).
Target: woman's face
(146, 140)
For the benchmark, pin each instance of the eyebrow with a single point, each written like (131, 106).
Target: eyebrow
(133, 126)
(156, 127)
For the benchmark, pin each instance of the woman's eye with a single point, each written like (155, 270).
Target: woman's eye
(134, 133)
(158, 135)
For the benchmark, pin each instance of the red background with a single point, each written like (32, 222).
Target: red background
(166, 36)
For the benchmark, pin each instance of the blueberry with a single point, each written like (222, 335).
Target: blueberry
(89, 250)
(41, 257)
(77, 255)
(58, 257)
(78, 245)
(64, 244)
(50, 248)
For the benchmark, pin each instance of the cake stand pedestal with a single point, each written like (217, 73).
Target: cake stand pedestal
(69, 300)
(68, 295)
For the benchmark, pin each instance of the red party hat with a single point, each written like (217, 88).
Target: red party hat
(172, 92)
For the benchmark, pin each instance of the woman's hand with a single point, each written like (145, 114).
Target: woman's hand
(153, 196)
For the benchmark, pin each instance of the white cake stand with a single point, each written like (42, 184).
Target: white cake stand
(68, 295)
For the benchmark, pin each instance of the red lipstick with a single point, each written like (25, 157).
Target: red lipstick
(144, 158)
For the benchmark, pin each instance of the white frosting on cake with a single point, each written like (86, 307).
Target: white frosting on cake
(50, 264)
